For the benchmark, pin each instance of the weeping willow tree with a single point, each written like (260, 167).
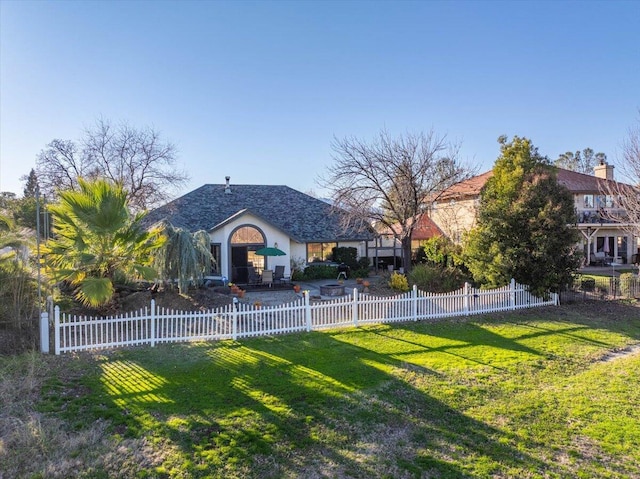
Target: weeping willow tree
(185, 257)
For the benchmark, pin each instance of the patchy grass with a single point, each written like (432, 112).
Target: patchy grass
(541, 393)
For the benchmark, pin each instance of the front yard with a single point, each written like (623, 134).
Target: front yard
(548, 392)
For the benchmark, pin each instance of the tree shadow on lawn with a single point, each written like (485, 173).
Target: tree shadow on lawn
(466, 342)
(613, 316)
(296, 406)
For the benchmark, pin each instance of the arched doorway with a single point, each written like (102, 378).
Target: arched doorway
(244, 242)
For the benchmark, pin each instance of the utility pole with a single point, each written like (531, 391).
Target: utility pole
(38, 248)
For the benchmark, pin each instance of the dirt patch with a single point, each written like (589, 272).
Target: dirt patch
(200, 299)
(621, 353)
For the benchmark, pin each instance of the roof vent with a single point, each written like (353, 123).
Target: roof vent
(227, 188)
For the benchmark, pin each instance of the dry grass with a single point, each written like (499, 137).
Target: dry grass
(38, 435)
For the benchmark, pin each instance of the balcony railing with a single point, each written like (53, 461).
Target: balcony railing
(607, 216)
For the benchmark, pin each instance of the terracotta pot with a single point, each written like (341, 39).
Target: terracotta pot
(296, 288)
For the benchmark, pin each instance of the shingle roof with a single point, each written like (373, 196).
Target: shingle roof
(300, 216)
(575, 182)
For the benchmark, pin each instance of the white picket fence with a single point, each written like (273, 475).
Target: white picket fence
(155, 325)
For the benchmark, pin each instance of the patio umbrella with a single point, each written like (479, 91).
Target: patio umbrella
(606, 245)
(270, 252)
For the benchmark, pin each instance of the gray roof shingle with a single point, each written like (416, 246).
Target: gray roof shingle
(300, 216)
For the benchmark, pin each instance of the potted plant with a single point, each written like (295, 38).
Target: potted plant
(296, 288)
(366, 285)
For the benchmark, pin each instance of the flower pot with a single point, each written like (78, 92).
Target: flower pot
(296, 288)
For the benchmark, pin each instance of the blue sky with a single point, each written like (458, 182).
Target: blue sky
(258, 90)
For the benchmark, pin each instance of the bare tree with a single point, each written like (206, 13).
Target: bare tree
(629, 194)
(136, 158)
(391, 182)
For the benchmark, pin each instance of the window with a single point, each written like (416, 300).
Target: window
(255, 260)
(320, 251)
(588, 201)
(217, 258)
(247, 235)
(605, 201)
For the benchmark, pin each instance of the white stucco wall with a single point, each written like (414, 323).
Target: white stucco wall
(272, 236)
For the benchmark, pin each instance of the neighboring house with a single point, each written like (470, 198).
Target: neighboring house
(601, 236)
(241, 219)
(386, 250)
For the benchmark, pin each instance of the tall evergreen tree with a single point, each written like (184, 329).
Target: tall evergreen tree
(31, 184)
(524, 229)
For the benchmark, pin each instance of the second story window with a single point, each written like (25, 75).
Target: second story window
(588, 201)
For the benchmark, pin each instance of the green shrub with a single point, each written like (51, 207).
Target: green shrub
(399, 282)
(360, 273)
(297, 275)
(436, 279)
(364, 263)
(439, 251)
(346, 255)
(320, 271)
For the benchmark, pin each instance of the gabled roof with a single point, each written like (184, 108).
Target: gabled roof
(466, 189)
(300, 216)
(572, 180)
(581, 183)
(424, 229)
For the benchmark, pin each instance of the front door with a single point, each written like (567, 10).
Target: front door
(239, 264)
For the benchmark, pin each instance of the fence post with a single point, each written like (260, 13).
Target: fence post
(307, 310)
(414, 302)
(153, 322)
(512, 294)
(234, 321)
(465, 299)
(44, 332)
(56, 332)
(355, 307)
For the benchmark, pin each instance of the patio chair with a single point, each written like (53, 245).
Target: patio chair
(267, 277)
(252, 275)
(600, 258)
(278, 274)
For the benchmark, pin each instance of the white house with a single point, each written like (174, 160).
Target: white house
(241, 219)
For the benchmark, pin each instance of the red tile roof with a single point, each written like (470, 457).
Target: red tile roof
(424, 229)
(575, 182)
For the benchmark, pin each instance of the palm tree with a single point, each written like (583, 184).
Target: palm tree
(18, 299)
(184, 256)
(97, 242)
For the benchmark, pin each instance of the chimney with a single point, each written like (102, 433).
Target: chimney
(604, 170)
(227, 188)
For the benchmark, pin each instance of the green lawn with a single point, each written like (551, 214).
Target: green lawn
(530, 394)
